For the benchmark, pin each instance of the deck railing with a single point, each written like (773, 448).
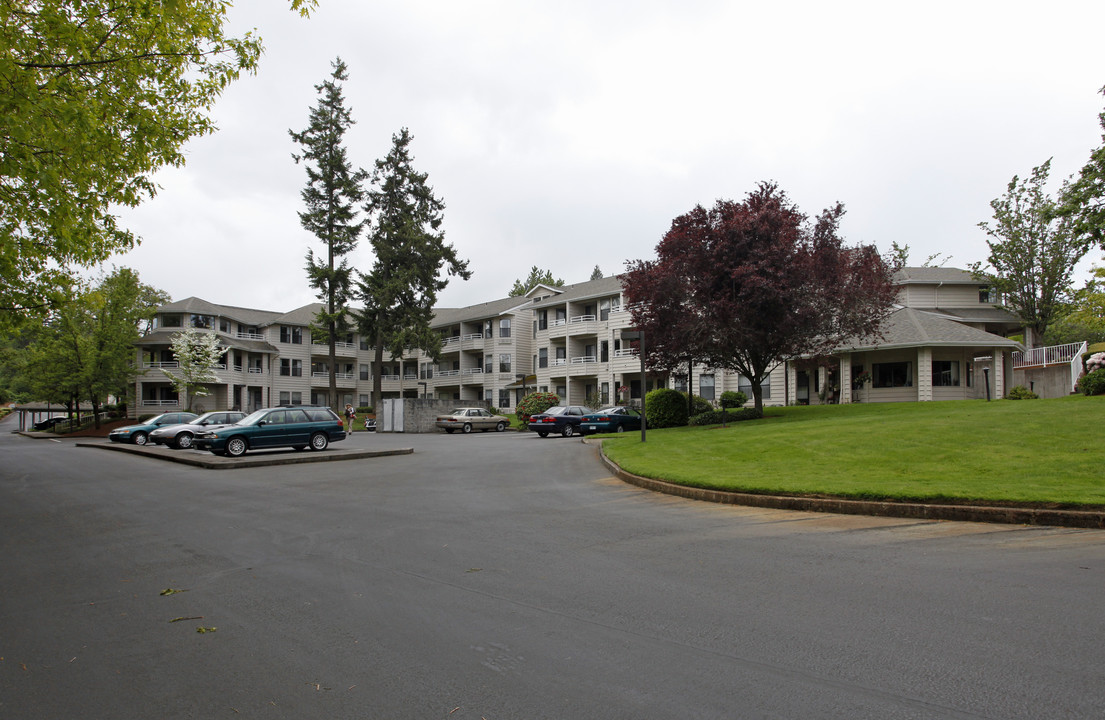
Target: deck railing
(1054, 355)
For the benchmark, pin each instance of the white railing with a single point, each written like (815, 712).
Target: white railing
(237, 368)
(558, 361)
(389, 377)
(251, 336)
(472, 336)
(448, 373)
(160, 403)
(584, 359)
(157, 365)
(617, 309)
(1053, 355)
(326, 375)
(410, 376)
(450, 340)
(255, 371)
(582, 319)
(558, 322)
(1076, 366)
(625, 352)
(474, 371)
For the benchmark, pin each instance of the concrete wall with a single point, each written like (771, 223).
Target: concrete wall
(1047, 382)
(417, 415)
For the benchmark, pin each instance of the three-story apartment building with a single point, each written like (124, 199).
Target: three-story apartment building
(578, 342)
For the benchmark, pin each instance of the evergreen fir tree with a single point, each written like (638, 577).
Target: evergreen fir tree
(334, 189)
(400, 291)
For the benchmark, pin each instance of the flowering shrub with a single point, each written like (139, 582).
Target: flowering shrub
(1092, 383)
(1095, 362)
(535, 403)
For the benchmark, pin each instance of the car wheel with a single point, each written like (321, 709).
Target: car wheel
(319, 441)
(500, 427)
(467, 428)
(568, 431)
(621, 428)
(236, 447)
(542, 434)
(184, 440)
(449, 430)
(140, 438)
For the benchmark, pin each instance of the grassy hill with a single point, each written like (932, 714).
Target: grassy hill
(1035, 452)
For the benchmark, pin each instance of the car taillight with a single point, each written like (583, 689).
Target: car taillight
(602, 419)
(548, 419)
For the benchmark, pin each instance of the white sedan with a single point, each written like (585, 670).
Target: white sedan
(468, 419)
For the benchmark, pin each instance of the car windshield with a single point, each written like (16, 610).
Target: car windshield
(609, 411)
(201, 418)
(556, 410)
(253, 418)
(156, 420)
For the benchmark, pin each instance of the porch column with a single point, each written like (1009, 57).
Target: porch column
(845, 378)
(792, 384)
(999, 374)
(924, 374)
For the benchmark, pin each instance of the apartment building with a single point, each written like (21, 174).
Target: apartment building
(577, 341)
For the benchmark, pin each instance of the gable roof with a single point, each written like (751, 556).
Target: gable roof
(471, 313)
(584, 291)
(199, 306)
(937, 275)
(909, 327)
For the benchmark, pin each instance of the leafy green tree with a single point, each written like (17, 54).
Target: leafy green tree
(536, 277)
(334, 189)
(1033, 252)
(1083, 200)
(400, 291)
(1085, 319)
(95, 97)
(197, 353)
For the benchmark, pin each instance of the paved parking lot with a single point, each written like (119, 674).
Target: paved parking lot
(503, 576)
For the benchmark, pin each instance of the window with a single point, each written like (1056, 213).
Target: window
(504, 327)
(945, 373)
(291, 334)
(561, 392)
(285, 397)
(604, 309)
(363, 344)
(679, 382)
(363, 400)
(291, 368)
(543, 358)
(604, 351)
(542, 319)
(984, 294)
(890, 375)
(504, 398)
(504, 363)
(202, 322)
(489, 364)
(706, 387)
(745, 386)
(297, 398)
(604, 395)
(364, 372)
(170, 321)
(224, 325)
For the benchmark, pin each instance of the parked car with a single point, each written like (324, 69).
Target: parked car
(139, 434)
(611, 419)
(563, 419)
(468, 419)
(294, 426)
(180, 436)
(49, 423)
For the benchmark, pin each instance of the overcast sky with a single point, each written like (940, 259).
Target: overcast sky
(570, 134)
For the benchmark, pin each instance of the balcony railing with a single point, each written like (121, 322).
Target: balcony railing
(583, 359)
(173, 364)
(474, 371)
(558, 322)
(251, 336)
(625, 353)
(1053, 355)
(448, 373)
(472, 336)
(160, 403)
(582, 319)
(558, 361)
(450, 340)
(326, 375)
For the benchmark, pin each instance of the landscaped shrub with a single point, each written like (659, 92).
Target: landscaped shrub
(364, 410)
(730, 399)
(665, 407)
(715, 417)
(699, 405)
(534, 403)
(1096, 361)
(1092, 383)
(1020, 392)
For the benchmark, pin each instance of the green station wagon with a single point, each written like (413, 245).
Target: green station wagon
(296, 426)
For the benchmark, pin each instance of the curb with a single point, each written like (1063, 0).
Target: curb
(199, 458)
(918, 511)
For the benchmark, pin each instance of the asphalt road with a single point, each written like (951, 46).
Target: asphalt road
(500, 576)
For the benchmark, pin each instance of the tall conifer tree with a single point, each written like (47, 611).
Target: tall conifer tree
(334, 189)
(400, 291)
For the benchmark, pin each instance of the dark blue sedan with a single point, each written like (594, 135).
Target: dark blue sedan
(563, 419)
(611, 420)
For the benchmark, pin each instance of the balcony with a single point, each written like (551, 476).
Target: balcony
(584, 359)
(250, 336)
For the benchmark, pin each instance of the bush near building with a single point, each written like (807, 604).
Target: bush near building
(665, 408)
(535, 403)
(1092, 383)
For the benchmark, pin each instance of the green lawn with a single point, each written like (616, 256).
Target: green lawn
(1047, 452)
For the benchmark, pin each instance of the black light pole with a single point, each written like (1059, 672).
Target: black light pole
(986, 375)
(643, 386)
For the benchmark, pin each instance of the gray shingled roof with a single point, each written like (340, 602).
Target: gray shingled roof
(199, 306)
(948, 276)
(449, 316)
(164, 336)
(984, 314)
(910, 327)
(583, 291)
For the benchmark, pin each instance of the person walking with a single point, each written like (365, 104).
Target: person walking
(350, 416)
